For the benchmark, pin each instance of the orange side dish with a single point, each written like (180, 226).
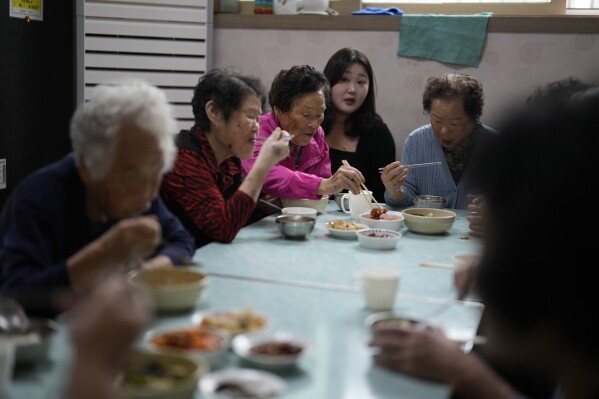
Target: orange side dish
(194, 338)
(376, 213)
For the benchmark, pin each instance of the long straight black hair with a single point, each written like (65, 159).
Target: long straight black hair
(364, 117)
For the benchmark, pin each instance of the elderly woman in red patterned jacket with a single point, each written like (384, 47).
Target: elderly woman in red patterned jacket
(205, 189)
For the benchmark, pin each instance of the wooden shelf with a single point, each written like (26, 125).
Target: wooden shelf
(497, 23)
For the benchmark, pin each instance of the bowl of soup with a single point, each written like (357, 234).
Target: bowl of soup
(428, 220)
(171, 289)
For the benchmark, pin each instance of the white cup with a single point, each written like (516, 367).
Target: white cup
(379, 287)
(7, 362)
(315, 6)
(358, 204)
(285, 7)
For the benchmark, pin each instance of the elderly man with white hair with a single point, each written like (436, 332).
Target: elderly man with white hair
(97, 209)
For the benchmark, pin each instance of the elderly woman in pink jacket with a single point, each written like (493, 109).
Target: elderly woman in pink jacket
(298, 98)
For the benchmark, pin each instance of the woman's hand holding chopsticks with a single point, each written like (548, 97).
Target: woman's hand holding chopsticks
(345, 178)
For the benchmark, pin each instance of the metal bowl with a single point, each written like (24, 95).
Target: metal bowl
(295, 227)
(429, 201)
(34, 346)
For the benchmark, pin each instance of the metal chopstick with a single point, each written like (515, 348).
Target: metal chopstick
(284, 138)
(418, 165)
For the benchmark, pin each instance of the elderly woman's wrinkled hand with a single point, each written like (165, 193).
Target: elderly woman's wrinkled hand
(464, 278)
(475, 216)
(275, 148)
(345, 178)
(419, 351)
(394, 176)
(132, 239)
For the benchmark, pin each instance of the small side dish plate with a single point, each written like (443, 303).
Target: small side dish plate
(274, 349)
(233, 321)
(241, 383)
(344, 229)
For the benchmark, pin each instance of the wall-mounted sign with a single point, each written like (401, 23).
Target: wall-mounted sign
(34, 9)
(2, 173)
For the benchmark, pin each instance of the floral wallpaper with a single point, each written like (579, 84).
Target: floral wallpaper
(513, 64)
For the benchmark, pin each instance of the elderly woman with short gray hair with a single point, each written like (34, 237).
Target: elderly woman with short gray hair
(454, 103)
(97, 209)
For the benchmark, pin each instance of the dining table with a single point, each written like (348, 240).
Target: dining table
(311, 288)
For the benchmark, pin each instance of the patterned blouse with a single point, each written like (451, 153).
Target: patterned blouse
(203, 194)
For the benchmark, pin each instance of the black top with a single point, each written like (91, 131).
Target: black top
(376, 149)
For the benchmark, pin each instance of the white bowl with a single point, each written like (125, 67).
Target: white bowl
(171, 289)
(300, 210)
(244, 346)
(213, 355)
(378, 238)
(186, 373)
(319, 204)
(256, 384)
(393, 224)
(429, 220)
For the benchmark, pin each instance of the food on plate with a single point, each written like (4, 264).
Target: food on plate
(379, 234)
(425, 215)
(341, 224)
(381, 214)
(192, 338)
(376, 213)
(276, 349)
(401, 323)
(153, 376)
(233, 390)
(234, 322)
(170, 277)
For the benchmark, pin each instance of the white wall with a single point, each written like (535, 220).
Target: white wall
(512, 65)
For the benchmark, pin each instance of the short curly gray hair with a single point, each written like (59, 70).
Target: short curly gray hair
(95, 124)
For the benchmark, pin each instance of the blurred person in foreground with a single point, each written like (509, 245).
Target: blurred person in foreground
(103, 328)
(558, 91)
(298, 97)
(353, 130)
(534, 317)
(206, 189)
(97, 209)
(454, 103)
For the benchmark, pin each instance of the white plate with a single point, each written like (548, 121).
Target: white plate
(242, 346)
(198, 318)
(259, 384)
(344, 234)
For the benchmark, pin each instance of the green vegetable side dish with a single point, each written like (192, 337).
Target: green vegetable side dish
(153, 376)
